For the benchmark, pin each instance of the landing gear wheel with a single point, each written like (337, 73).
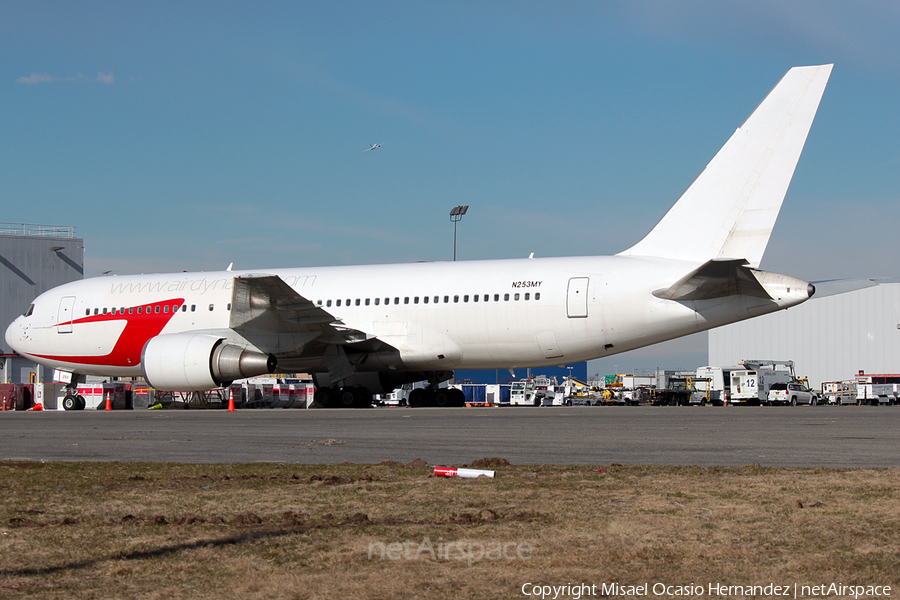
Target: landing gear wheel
(418, 397)
(458, 398)
(365, 398)
(70, 403)
(348, 397)
(442, 398)
(81, 403)
(323, 397)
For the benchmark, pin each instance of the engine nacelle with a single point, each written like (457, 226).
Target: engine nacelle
(187, 362)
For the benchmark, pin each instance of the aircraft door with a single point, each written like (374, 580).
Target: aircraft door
(66, 312)
(577, 298)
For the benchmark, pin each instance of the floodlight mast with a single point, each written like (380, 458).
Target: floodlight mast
(456, 215)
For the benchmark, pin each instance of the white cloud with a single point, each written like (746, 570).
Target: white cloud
(104, 78)
(36, 78)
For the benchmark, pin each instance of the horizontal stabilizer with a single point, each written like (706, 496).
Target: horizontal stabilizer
(715, 279)
(842, 286)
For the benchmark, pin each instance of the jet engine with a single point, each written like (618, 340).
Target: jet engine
(187, 362)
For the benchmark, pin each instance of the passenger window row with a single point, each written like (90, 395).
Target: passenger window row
(428, 299)
(147, 310)
(165, 308)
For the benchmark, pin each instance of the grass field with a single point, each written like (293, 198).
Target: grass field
(391, 530)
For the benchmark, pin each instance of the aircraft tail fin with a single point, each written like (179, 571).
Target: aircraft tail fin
(729, 211)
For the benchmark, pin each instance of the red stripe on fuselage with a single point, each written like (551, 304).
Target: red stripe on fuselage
(139, 328)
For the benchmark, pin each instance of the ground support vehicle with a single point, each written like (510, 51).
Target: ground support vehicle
(877, 390)
(397, 397)
(793, 393)
(673, 388)
(524, 393)
(751, 387)
(712, 385)
(575, 393)
(840, 392)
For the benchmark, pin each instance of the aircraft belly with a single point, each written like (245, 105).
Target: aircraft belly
(419, 346)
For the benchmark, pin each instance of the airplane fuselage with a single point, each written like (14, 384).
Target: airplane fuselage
(452, 315)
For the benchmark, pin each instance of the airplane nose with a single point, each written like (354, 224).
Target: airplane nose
(13, 334)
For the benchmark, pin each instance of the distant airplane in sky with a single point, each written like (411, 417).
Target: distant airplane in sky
(373, 147)
(368, 329)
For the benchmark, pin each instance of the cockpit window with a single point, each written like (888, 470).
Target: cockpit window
(29, 311)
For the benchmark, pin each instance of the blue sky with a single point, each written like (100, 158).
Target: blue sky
(187, 135)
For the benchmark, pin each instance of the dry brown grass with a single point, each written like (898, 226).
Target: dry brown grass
(126, 530)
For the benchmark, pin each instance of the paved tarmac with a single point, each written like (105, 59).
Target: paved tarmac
(807, 436)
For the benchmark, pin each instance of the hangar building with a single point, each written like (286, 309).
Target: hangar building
(33, 259)
(846, 327)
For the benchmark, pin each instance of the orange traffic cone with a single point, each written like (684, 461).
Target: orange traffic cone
(108, 402)
(36, 407)
(231, 400)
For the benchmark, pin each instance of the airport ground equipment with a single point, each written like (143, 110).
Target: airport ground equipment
(673, 388)
(792, 393)
(877, 389)
(522, 393)
(751, 386)
(712, 385)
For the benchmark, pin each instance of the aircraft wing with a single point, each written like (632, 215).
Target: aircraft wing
(265, 305)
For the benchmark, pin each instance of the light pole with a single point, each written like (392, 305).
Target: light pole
(456, 216)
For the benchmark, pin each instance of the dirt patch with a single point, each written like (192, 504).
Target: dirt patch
(88, 530)
(490, 463)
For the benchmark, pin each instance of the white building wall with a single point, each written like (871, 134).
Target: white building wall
(828, 338)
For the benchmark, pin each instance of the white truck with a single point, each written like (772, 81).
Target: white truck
(751, 387)
(877, 390)
(712, 385)
(532, 392)
(397, 397)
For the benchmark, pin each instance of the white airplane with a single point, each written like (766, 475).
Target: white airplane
(367, 329)
(373, 147)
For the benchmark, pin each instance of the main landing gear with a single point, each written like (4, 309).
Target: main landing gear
(348, 397)
(440, 397)
(360, 397)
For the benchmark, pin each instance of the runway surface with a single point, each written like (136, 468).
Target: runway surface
(818, 436)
